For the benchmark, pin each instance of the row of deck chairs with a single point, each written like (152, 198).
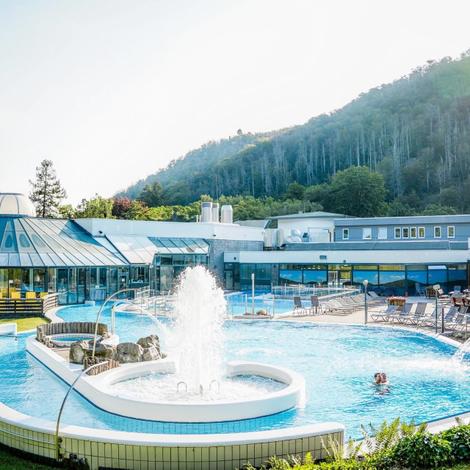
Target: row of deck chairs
(424, 314)
(340, 304)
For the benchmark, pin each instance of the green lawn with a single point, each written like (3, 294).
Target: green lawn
(11, 462)
(25, 323)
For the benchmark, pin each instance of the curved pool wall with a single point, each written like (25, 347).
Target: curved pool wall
(117, 449)
(96, 389)
(336, 360)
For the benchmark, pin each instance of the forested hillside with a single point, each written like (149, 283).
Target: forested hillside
(414, 131)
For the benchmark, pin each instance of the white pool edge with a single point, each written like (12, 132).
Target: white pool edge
(97, 389)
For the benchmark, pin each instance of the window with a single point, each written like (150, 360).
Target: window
(25, 243)
(437, 231)
(345, 234)
(367, 233)
(413, 232)
(382, 233)
(421, 232)
(450, 231)
(397, 232)
(405, 232)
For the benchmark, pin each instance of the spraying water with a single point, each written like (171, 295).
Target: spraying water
(463, 350)
(196, 342)
(198, 337)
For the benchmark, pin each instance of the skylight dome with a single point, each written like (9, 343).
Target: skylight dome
(16, 204)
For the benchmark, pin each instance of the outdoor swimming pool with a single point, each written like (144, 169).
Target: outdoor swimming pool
(239, 303)
(337, 361)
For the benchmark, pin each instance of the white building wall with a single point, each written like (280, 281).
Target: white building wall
(304, 224)
(350, 257)
(102, 227)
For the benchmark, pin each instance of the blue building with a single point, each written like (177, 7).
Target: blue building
(396, 255)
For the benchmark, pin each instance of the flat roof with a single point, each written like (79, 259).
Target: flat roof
(308, 215)
(411, 219)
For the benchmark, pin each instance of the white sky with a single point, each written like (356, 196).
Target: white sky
(112, 90)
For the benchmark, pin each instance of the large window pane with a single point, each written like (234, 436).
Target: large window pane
(263, 272)
(39, 280)
(246, 270)
(62, 285)
(437, 276)
(315, 277)
(392, 282)
(4, 282)
(290, 275)
(51, 279)
(360, 276)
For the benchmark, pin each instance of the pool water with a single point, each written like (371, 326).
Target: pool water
(239, 303)
(337, 361)
(158, 387)
(68, 339)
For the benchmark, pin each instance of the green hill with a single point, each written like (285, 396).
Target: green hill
(415, 131)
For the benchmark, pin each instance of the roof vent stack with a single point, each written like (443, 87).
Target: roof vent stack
(206, 212)
(226, 214)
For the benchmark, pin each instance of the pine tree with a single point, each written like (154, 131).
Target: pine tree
(47, 192)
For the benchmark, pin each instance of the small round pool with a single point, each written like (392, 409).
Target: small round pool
(66, 339)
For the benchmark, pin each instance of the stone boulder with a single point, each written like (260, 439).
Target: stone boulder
(150, 354)
(150, 341)
(129, 352)
(81, 349)
(103, 351)
(78, 351)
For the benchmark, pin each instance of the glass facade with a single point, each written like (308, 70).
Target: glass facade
(166, 269)
(52, 255)
(387, 279)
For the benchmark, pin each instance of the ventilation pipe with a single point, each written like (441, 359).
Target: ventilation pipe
(206, 212)
(226, 214)
(215, 212)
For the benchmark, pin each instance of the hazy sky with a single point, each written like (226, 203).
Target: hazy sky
(112, 90)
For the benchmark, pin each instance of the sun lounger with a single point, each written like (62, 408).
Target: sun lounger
(450, 315)
(385, 315)
(358, 299)
(299, 309)
(375, 298)
(336, 305)
(417, 315)
(460, 321)
(420, 290)
(403, 315)
(348, 302)
(315, 305)
(429, 318)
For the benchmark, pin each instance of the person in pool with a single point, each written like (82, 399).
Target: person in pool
(380, 378)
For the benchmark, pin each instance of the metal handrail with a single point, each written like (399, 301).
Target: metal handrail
(72, 385)
(121, 291)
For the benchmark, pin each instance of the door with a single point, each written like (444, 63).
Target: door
(332, 278)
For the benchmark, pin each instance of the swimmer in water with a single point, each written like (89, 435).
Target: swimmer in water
(380, 378)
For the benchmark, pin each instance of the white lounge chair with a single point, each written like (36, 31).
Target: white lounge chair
(384, 315)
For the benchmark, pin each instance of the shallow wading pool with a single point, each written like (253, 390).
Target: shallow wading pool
(66, 339)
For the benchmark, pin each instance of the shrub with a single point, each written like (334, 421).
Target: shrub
(459, 440)
(420, 450)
